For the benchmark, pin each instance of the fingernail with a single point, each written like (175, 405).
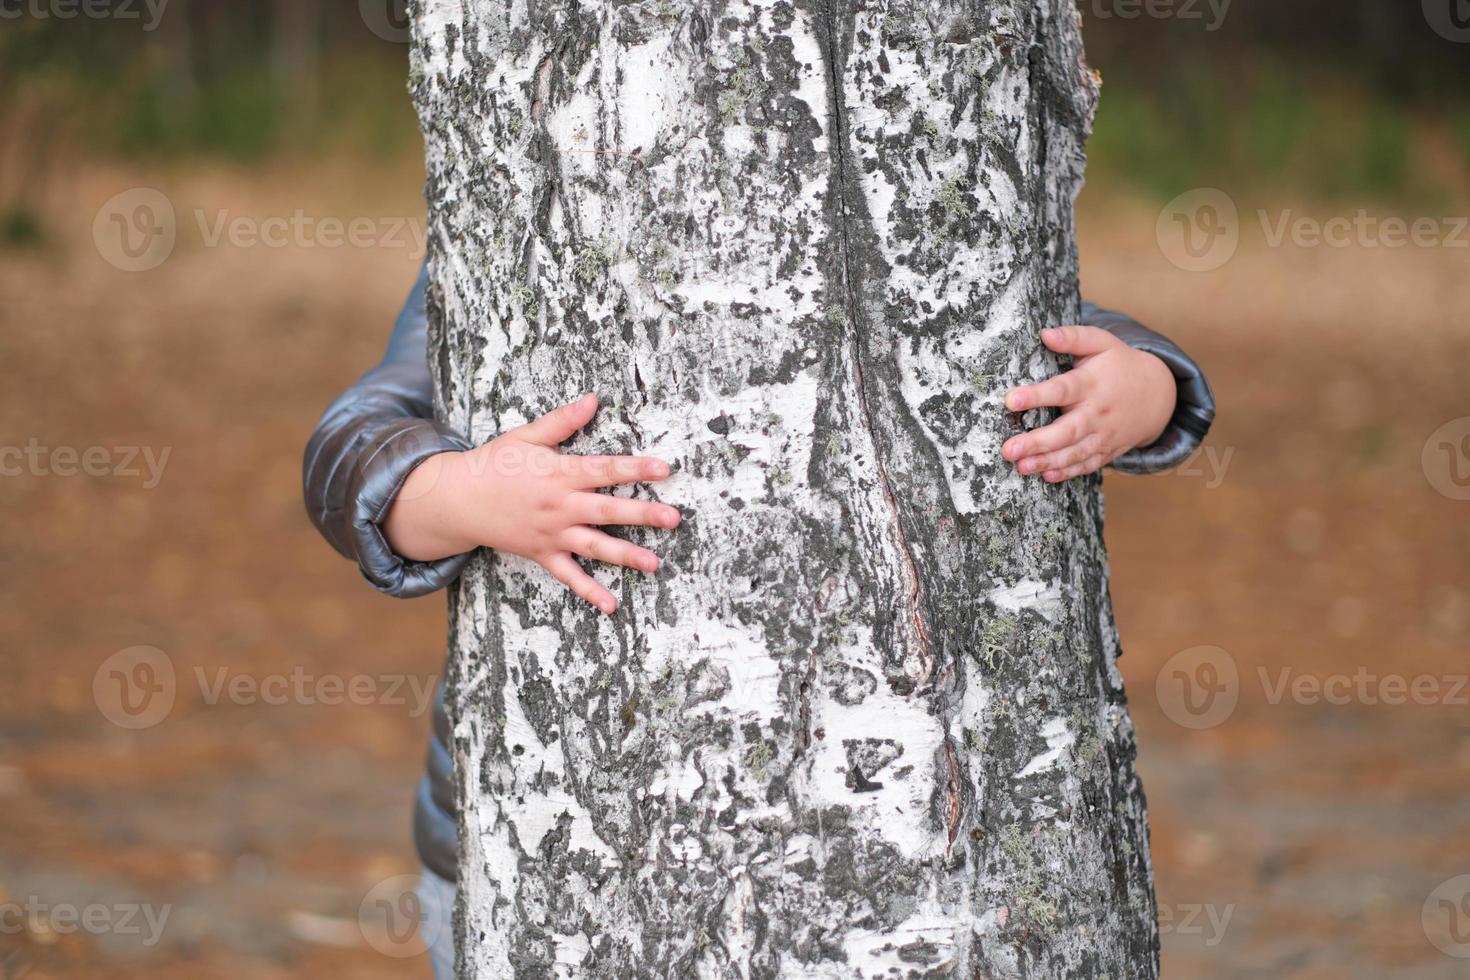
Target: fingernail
(671, 518)
(1049, 333)
(1013, 401)
(650, 564)
(609, 606)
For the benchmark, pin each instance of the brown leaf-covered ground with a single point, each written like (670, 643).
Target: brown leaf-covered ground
(1294, 837)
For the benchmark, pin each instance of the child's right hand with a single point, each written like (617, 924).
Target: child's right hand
(518, 494)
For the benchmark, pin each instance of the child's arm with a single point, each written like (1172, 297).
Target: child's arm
(408, 498)
(1132, 399)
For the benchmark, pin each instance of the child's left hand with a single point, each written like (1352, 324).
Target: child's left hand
(1114, 399)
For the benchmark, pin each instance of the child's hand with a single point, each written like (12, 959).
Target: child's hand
(518, 494)
(1114, 399)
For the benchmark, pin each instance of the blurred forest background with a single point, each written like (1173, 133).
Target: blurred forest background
(1330, 98)
(1320, 536)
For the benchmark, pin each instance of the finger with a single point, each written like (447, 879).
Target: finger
(600, 546)
(1062, 458)
(601, 508)
(559, 425)
(570, 574)
(1066, 388)
(1090, 465)
(1078, 341)
(1066, 430)
(592, 472)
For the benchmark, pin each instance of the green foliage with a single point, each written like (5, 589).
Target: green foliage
(1278, 114)
(210, 81)
(20, 227)
(1134, 142)
(1276, 126)
(1460, 130)
(1385, 152)
(1240, 107)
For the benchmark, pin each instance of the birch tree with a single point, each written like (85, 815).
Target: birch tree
(866, 721)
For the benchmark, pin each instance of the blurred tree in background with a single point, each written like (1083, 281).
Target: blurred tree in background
(198, 78)
(216, 76)
(1327, 98)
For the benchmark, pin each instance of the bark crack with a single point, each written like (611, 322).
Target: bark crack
(851, 303)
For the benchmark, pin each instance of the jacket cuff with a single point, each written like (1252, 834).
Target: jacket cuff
(384, 465)
(1194, 408)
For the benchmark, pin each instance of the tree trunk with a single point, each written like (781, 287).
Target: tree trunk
(867, 720)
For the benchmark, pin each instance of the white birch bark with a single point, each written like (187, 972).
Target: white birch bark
(866, 721)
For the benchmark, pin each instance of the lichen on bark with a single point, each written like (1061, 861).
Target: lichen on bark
(866, 721)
